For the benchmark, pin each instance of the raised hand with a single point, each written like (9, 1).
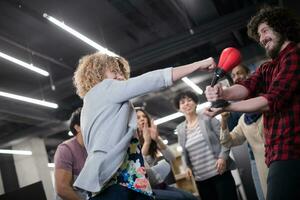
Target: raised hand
(225, 115)
(153, 131)
(146, 133)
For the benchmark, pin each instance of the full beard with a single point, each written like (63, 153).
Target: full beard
(274, 52)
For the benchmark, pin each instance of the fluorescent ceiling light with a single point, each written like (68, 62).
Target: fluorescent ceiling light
(79, 35)
(29, 100)
(192, 85)
(203, 105)
(168, 118)
(178, 114)
(24, 64)
(51, 165)
(70, 133)
(15, 152)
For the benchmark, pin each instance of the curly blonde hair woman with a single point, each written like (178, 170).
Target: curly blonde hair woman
(114, 168)
(91, 69)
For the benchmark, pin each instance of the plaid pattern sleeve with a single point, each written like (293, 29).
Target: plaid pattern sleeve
(279, 82)
(284, 84)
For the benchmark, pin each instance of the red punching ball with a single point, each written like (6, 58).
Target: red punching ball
(230, 58)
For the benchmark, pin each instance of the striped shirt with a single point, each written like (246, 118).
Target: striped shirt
(201, 157)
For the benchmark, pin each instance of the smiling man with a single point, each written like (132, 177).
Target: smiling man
(273, 89)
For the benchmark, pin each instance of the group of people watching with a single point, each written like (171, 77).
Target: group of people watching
(114, 154)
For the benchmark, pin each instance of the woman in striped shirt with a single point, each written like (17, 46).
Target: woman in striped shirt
(205, 158)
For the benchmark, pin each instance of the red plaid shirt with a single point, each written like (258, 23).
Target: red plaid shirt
(279, 82)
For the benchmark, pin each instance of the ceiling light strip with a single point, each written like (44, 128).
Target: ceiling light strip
(167, 118)
(79, 35)
(24, 64)
(29, 100)
(179, 114)
(51, 165)
(192, 85)
(15, 152)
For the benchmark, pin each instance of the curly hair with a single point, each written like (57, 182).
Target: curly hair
(91, 70)
(280, 19)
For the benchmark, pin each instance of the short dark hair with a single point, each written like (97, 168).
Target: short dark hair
(75, 120)
(247, 70)
(183, 95)
(281, 20)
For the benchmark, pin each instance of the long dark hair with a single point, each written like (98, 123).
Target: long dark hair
(153, 149)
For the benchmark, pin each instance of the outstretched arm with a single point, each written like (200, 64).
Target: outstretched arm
(202, 65)
(257, 104)
(149, 82)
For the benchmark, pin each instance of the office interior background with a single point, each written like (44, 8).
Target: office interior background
(38, 57)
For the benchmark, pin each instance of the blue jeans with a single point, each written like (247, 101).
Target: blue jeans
(118, 192)
(256, 180)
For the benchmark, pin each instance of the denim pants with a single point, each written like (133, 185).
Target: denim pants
(256, 180)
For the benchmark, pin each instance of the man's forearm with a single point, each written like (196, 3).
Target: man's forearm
(257, 104)
(235, 93)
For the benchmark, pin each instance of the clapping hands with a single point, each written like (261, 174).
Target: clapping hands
(150, 132)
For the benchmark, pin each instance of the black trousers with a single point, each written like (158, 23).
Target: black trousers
(220, 187)
(118, 192)
(284, 180)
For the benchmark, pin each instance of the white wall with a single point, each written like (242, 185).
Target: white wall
(34, 168)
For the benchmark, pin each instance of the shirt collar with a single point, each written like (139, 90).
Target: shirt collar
(284, 51)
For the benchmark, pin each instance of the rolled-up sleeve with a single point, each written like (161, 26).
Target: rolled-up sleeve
(276, 83)
(253, 83)
(285, 85)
